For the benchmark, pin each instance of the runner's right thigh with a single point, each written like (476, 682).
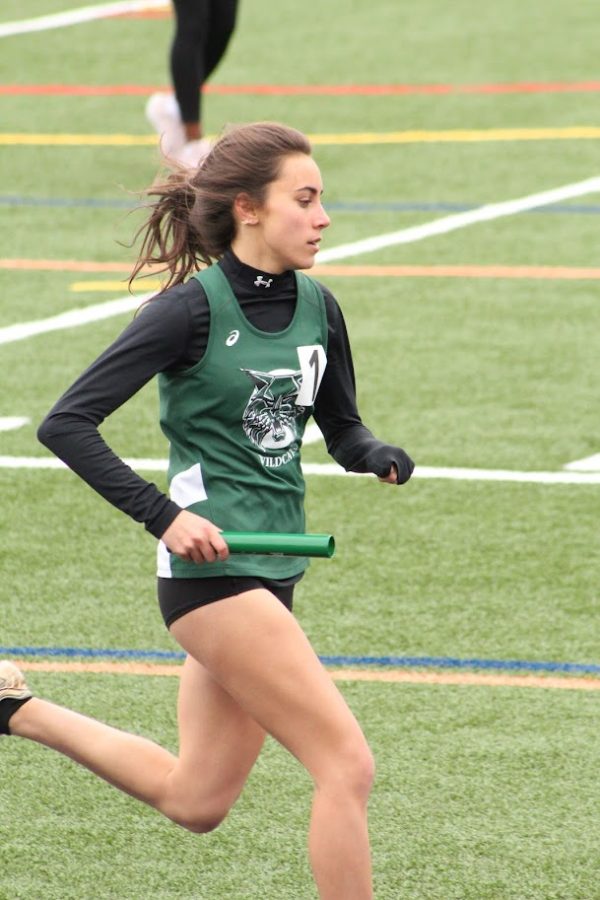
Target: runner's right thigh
(256, 650)
(218, 745)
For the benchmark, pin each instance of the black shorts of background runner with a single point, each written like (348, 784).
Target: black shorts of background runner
(202, 31)
(178, 596)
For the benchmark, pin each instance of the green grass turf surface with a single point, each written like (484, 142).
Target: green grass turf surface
(479, 795)
(448, 367)
(426, 43)
(446, 569)
(482, 793)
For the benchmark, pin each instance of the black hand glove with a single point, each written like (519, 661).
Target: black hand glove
(384, 457)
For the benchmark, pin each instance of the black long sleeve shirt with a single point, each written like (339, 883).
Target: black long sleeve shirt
(170, 334)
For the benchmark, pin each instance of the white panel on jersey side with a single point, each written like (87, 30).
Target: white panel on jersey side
(188, 487)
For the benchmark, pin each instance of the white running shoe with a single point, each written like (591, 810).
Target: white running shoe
(193, 153)
(163, 114)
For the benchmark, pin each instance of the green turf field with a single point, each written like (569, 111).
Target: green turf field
(483, 792)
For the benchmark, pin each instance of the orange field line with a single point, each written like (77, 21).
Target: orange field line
(470, 679)
(146, 14)
(64, 265)
(463, 271)
(573, 273)
(516, 88)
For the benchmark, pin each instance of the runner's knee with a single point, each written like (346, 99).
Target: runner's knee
(361, 771)
(350, 771)
(199, 821)
(199, 812)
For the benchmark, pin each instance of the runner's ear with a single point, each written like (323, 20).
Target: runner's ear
(244, 209)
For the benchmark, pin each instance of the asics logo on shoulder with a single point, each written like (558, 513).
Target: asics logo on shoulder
(263, 282)
(232, 338)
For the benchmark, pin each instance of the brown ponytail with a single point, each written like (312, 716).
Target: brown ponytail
(191, 221)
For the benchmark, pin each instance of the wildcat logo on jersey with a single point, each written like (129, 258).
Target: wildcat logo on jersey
(272, 416)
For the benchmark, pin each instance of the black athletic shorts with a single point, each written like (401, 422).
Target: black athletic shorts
(177, 596)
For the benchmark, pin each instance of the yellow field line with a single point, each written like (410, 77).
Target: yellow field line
(451, 135)
(461, 135)
(78, 140)
(468, 679)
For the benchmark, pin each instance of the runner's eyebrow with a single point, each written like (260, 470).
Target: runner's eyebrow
(310, 189)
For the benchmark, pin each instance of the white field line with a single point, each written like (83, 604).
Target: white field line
(331, 469)
(312, 434)
(76, 16)
(458, 474)
(404, 236)
(462, 220)
(571, 475)
(588, 464)
(71, 318)
(12, 423)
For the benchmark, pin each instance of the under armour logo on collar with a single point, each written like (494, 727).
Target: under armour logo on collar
(263, 282)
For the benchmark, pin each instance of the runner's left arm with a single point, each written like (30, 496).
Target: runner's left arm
(348, 440)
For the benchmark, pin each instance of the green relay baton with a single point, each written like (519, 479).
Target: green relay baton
(273, 544)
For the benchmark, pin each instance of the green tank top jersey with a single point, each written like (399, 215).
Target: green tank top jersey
(235, 422)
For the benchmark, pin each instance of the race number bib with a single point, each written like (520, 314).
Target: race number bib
(313, 360)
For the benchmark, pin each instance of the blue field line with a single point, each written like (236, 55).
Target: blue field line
(96, 203)
(406, 662)
(449, 662)
(340, 206)
(92, 653)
